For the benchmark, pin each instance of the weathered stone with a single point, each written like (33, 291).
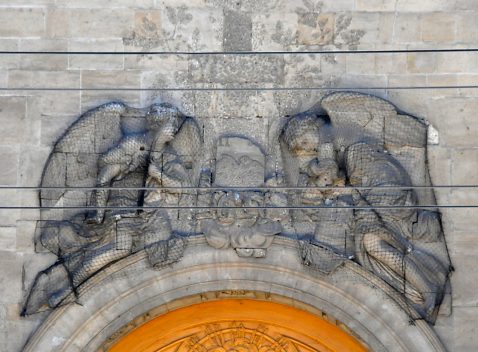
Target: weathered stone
(438, 27)
(43, 79)
(274, 31)
(12, 119)
(8, 238)
(43, 61)
(237, 31)
(424, 6)
(237, 69)
(99, 23)
(374, 5)
(407, 28)
(22, 22)
(465, 331)
(464, 162)
(109, 79)
(421, 62)
(466, 27)
(9, 61)
(455, 119)
(96, 62)
(11, 277)
(316, 29)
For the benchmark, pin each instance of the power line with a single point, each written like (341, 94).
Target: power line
(227, 53)
(311, 207)
(221, 89)
(285, 188)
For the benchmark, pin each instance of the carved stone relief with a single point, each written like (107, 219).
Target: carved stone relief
(343, 185)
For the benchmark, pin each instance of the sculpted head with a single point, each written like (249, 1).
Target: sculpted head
(162, 113)
(302, 134)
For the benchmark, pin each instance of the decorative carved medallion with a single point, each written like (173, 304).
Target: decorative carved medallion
(343, 184)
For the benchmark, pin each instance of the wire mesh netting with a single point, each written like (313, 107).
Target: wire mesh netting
(342, 183)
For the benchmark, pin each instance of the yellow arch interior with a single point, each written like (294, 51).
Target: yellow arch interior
(237, 325)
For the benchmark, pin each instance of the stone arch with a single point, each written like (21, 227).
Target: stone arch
(128, 291)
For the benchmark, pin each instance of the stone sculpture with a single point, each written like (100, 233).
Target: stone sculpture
(343, 186)
(156, 147)
(374, 221)
(240, 163)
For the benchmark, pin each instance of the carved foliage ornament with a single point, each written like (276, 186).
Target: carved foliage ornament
(341, 183)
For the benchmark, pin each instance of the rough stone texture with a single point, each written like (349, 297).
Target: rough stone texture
(32, 121)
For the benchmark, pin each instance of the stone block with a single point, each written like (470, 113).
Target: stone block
(439, 166)
(95, 61)
(185, 28)
(9, 61)
(455, 120)
(466, 328)
(374, 5)
(43, 79)
(9, 198)
(25, 236)
(464, 290)
(447, 79)
(457, 62)
(332, 64)
(43, 61)
(8, 238)
(237, 31)
(57, 22)
(237, 70)
(274, 31)
(110, 79)
(12, 119)
(464, 164)
(357, 30)
(53, 127)
(316, 29)
(21, 3)
(45, 104)
(466, 27)
(304, 71)
(32, 160)
(407, 27)
(421, 62)
(360, 64)
(100, 23)
(148, 31)
(438, 27)
(10, 277)
(94, 4)
(22, 22)
(3, 78)
(390, 64)
(424, 5)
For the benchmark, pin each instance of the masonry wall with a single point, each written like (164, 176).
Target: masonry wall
(31, 120)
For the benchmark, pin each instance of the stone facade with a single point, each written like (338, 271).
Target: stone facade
(32, 120)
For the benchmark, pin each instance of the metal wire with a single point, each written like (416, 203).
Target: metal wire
(245, 207)
(298, 188)
(215, 89)
(197, 53)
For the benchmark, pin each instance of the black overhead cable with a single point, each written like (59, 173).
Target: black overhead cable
(197, 53)
(214, 89)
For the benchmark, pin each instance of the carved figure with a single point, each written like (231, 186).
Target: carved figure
(136, 151)
(160, 151)
(404, 246)
(345, 169)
